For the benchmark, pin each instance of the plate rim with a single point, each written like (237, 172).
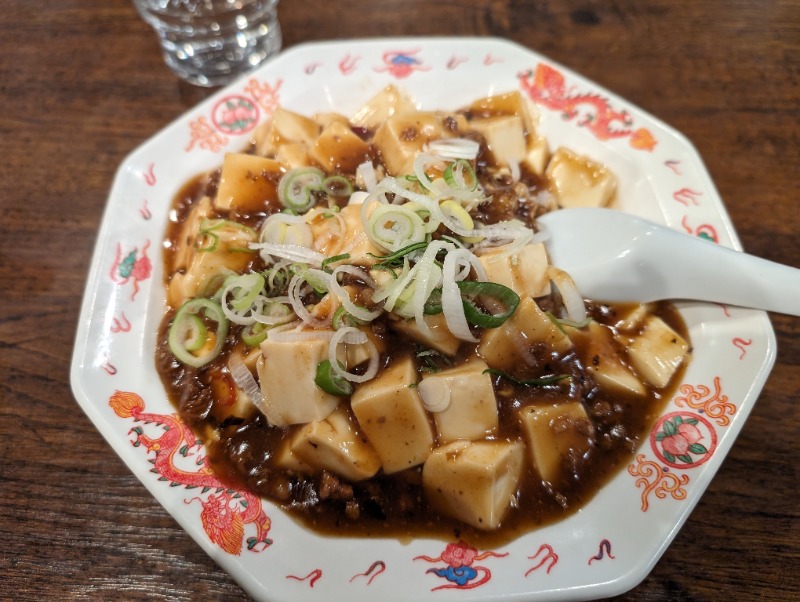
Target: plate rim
(620, 584)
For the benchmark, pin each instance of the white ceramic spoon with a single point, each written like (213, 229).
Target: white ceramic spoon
(616, 257)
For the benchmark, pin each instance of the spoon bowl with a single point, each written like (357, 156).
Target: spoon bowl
(616, 257)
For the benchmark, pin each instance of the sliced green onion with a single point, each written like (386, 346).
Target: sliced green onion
(477, 317)
(394, 227)
(337, 186)
(318, 279)
(209, 225)
(277, 279)
(341, 318)
(431, 360)
(206, 242)
(253, 334)
(561, 323)
(249, 285)
(330, 382)
(334, 259)
(297, 187)
(529, 382)
(460, 175)
(393, 258)
(189, 335)
(433, 305)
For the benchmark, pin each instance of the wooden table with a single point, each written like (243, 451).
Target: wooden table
(82, 84)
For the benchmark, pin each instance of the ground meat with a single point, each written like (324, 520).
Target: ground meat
(331, 488)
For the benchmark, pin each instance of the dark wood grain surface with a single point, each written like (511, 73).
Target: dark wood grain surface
(82, 84)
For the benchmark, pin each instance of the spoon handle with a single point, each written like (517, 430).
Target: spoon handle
(719, 274)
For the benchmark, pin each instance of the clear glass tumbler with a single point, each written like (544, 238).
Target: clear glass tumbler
(213, 42)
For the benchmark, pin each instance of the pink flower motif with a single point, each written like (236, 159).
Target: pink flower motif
(459, 554)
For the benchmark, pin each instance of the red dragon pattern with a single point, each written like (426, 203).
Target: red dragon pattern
(547, 87)
(225, 512)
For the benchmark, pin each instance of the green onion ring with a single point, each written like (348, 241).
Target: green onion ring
(460, 175)
(503, 294)
(337, 186)
(296, 188)
(185, 336)
(329, 382)
(253, 334)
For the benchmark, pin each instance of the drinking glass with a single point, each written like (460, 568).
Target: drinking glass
(213, 42)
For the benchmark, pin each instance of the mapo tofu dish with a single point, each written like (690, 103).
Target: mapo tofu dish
(364, 328)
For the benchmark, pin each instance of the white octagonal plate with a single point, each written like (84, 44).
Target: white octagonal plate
(604, 549)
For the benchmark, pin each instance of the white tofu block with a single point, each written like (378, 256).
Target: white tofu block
(287, 374)
(657, 352)
(325, 119)
(537, 155)
(472, 409)
(553, 432)
(507, 103)
(604, 360)
(286, 458)
(204, 272)
(440, 338)
(402, 136)
(293, 155)
(334, 444)
(248, 183)
(474, 481)
(524, 272)
(339, 149)
(506, 346)
(380, 107)
(505, 138)
(293, 127)
(578, 181)
(389, 411)
(632, 317)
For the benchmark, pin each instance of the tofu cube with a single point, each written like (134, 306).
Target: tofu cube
(287, 374)
(505, 138)
(508, 103)
(631, 317)
(402, 136)
(336, 445)
(339, 149)
(524, 272)
(537, 155)
(474, 481)
(506, 346)
(293, 155)
(439, 338)
(248, 183)
(472, 411)
(325, 119)
(603, 359)
(389, 411)
(657, 352)
(554, 432)
(293, 127)
(205, 271)
(381, 107)
(578, 181)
